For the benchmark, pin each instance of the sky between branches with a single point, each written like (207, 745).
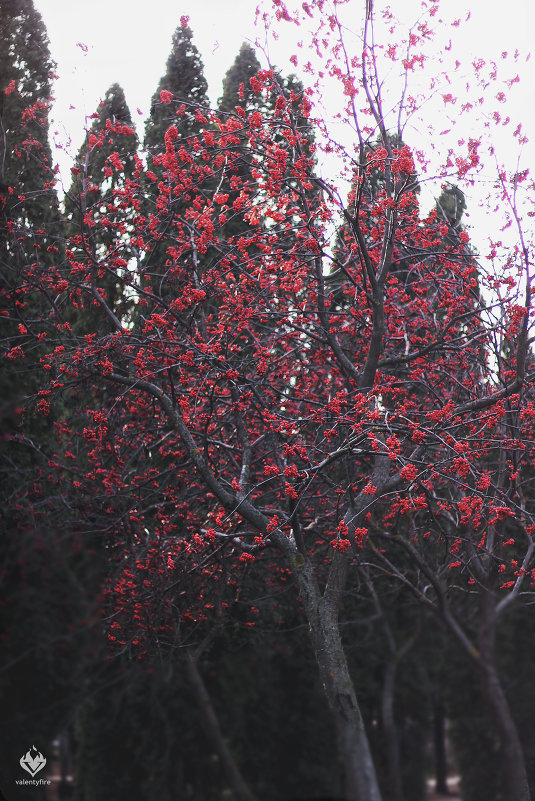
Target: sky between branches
(110, 41)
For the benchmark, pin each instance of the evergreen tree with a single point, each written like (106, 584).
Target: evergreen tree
(451, 205)
(29, 229)
(238, 95)
(43, 592)
(249, 94)
(184, 80)
(26, 72)
(237, 89)
(104, 174)
(28, 202)
(180, 101)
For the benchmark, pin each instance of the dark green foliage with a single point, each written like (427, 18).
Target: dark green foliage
(96, 220)
(109, 133)
(237, 90)
(451, 205)
(243, 97)
(26, 71)
(29, 226)
(186, 95)
(29, 222)
(184, 78)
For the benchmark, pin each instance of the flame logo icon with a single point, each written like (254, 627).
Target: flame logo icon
(33, 761)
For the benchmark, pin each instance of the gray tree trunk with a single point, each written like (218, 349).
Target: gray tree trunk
(322, 611)
(514, 764)
(391, 730)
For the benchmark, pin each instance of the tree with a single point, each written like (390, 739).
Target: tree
(246, 92)
(33, 565)
(240, 424)
(181, 100)
(181, 92)
(95, 214)
(28, 203)
(27, 71)
(237, 89)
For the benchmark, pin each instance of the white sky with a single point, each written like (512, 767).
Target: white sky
(128, 42)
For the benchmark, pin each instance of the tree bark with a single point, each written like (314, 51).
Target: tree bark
(213, 731)
(360, 778)
(391, 731)
(514, 765)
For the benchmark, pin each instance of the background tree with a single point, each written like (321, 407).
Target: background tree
(181, 101)
(28, 202)
(184, 80)
(37, 641)
(95, 213)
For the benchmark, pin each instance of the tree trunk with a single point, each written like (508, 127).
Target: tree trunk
(360, 777)
(439, 741)
(514, 766)
(213, 731)
(65, 765)
(390, 730)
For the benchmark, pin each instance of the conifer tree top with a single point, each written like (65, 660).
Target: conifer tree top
(26, 71)
(245, 66)
(184, 79)
(112, 113)
(24, 49)
(114, 105)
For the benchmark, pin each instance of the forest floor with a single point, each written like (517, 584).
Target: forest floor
(453, 794)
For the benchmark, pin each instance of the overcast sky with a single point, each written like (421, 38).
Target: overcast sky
(96, 44)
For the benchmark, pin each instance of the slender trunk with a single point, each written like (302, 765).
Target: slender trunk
(391, 732)
(514, 765)
(65, 765)
(439, 741)
(213, 731)
(360, 777)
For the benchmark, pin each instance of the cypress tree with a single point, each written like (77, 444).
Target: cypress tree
(26, 73)
(237, 89)
(40, 600)
(29, 218)
(184, 80)
(243, 95)
(180, 100)
(104, 174)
